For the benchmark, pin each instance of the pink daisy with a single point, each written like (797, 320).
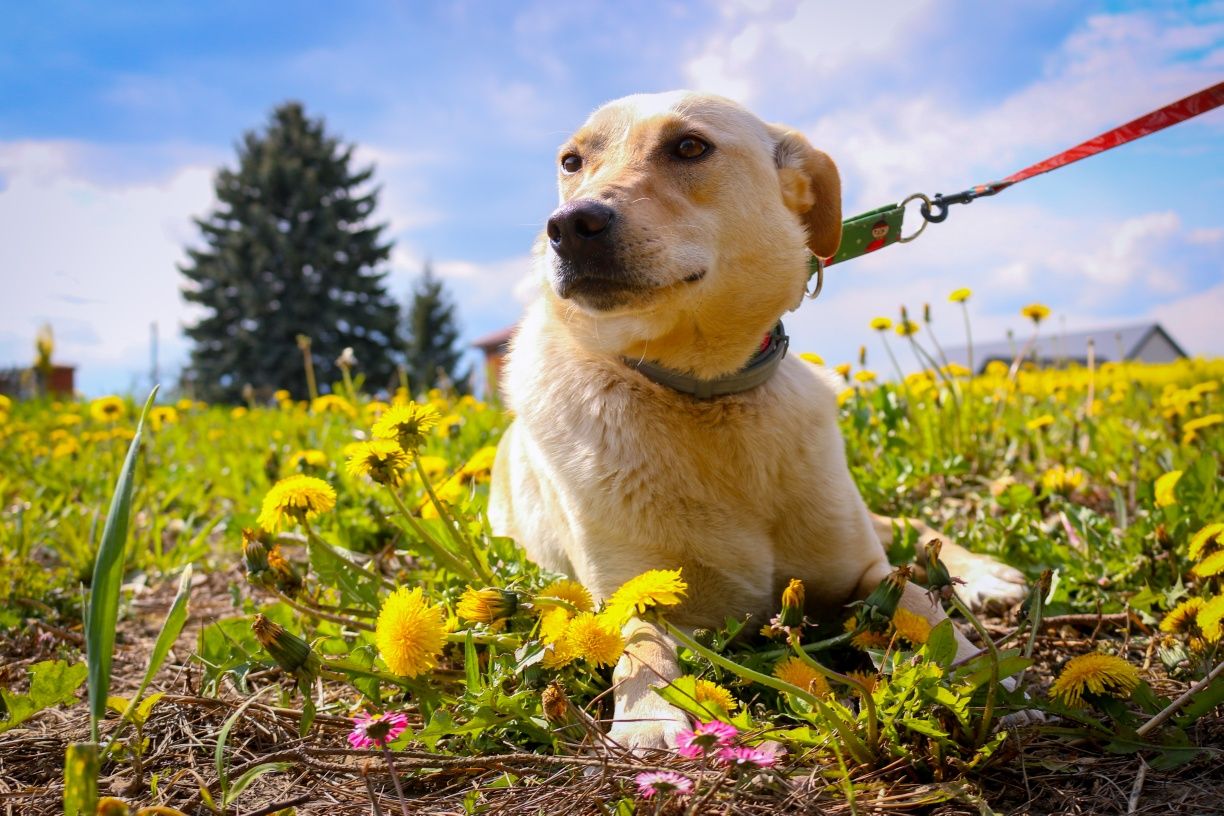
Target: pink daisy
(377, 730)
(705, 737)
(662, 782)
(745, 757)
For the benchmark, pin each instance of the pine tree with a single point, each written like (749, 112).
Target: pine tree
(290, 250)
(433, 352)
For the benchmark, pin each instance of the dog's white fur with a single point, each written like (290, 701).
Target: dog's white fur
(605, 474)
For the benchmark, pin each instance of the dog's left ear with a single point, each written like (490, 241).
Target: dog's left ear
(811, 188)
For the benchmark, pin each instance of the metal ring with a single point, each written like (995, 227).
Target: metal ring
(819, 278)
(915, 197)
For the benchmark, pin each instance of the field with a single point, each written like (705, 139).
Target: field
(292, 565)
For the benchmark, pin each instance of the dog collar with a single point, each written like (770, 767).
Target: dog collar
(759, 369)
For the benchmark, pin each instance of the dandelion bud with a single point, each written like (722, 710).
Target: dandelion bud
(347, 359)
(926, 313)
(862, 355)
(303, 342)
(880, 605)
(792, 604)
(555, 704)
(938, 577)
(290, 652)
(283, 574)
(110, 806)
(255, 554)
(487, 605)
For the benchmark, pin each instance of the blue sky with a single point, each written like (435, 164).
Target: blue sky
(113, 118)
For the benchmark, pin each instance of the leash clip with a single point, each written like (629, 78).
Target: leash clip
(940, 203)
(819, 263)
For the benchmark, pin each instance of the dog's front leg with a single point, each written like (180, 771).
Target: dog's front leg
(643, 719)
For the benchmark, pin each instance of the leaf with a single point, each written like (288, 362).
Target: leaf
(223, 736)
(923, 727)
(103, 610)
(172, 626)
(1202, 702)
(336, 571)
(240, 784)
(81, 779)
(940, 647)
(52, 683)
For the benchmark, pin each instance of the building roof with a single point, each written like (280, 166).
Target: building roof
(494, 340)
(1111, 344)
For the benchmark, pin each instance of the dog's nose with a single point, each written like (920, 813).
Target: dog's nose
(577, 227)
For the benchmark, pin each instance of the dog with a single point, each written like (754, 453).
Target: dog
(647, 434)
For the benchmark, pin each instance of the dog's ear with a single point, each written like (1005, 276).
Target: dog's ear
(811, 188)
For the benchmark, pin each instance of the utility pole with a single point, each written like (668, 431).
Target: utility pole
(153, 353)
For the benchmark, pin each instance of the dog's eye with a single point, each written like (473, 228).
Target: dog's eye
(690, 147)
(571, 162)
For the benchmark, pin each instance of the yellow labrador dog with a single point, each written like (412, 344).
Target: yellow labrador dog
(659, 422)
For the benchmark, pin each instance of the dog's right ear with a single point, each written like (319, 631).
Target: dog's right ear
(811, 188)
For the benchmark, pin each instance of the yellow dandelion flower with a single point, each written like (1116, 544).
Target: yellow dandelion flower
(68, 420)
(1059, 479)
(708, 693)
(406, 424)
(434, 466)
(960, 295)
(1036, 312)
(1211, 619)
(480, 465)
(996, 368)
(905, 328)
(295, 499)
(333, 404)
(107, 409)
(410, 633)
(281, 395)
(68, 447)
(1200, 540)
(300, 460)
(868, 679)
(651, 588)
(814, 359)
(1043, 421)
(571, 592)
(798, 673)
(553, 623)
(881, 323)
(843, 369)
(1094, 674)
(1164, 488)
(381, 459)
(593, 638)
(1190, 429)
(911, 626)
(1211, 565)
(1181, 617)
(6, 404)
(486, 605)
(864, 376)
(238, 412)
(373, 410)
(956, 370)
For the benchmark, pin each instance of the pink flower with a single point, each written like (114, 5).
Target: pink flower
(705, 737)
(662, 782)
(745, 757)
(377, 730)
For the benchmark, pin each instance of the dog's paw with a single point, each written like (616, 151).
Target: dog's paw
(643, 736)
(989, 584)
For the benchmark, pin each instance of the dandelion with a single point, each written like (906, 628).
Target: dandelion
(281, 395)
(378, 730)
(1190, 429)
(907, 328)
(865, 376)
(651, 588)
(1037, 423)
(662, 783)
(797, 672)
(373, 410)
(1211, 619)
(406, 424)
(706, 737)
(996, 368)
(1200, 540)
(290, 652)
(593, 638)
(1036, 312)
(879, 606)
(911, 626)
(107, 409)
(708, 693)
(745, 757)
(1210, 566)
(572, 592)
(486, 605)
(295, 499)
(300, 460)
(383, 460)
(843, 369)
(161, 416)
(1164, 488)
(881, 324)
(1181, 618)
(238, 412)
(1097, 674)
(553, 623)
(814, 359)
(1059, 479)
(410, 632)
(333, 404)
(960, 295)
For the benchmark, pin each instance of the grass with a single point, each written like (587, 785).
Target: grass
(1101, 484)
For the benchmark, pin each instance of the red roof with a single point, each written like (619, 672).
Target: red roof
(495, 339)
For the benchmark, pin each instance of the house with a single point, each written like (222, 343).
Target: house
(494, 346)
(1143, 342)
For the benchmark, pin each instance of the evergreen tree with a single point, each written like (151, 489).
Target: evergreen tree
(290, 250)
(433, 352)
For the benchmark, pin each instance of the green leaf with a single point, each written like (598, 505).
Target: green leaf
(940, 647)
(240, 784)
(223, 736)
(103, 612)
(334, 570)
(172, 626)
(81, 779)
(1202, 703)
(52, 683)
(923, 727)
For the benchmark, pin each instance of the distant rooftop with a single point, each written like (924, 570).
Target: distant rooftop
(1147, 342)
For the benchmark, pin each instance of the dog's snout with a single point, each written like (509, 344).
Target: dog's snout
(578, 227)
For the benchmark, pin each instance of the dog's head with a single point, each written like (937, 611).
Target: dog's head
(684, 226)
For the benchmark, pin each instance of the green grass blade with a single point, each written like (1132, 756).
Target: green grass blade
(223, 737)
(172, 627)
(103, 610)
(81, 779)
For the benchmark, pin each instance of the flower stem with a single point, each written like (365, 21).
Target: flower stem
(448, 522)
(737, 669)
(983, 730)
(346, 556)
(399, 791)
(441, 554)
(873, 720)
(321, 615)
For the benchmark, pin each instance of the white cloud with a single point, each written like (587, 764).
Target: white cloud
(1194, 321)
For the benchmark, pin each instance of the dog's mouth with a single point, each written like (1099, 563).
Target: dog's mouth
(604, 287)
(696, 276)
